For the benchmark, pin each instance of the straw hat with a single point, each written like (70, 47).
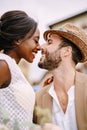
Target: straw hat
(75, 34)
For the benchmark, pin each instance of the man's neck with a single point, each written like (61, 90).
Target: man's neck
(64, 79)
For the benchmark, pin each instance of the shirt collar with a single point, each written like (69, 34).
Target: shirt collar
(70, 91)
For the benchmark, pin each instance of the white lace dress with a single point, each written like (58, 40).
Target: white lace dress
(18, 98)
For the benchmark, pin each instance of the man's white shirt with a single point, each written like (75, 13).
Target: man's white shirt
(67, 120)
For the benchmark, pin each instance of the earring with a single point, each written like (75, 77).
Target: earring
(2, 51)
(17, 43)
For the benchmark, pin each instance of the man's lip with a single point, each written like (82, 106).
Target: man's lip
(33, 55)
(42, 57)
(43, 52)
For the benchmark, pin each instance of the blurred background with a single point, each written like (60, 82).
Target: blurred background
(49, 14)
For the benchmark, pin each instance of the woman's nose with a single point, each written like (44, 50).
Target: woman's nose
(38, 47)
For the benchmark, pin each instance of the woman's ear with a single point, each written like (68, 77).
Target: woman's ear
(18, 42)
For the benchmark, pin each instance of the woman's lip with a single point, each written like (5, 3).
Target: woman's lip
(33, 55)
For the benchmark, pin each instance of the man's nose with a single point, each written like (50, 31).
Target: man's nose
(43, 46)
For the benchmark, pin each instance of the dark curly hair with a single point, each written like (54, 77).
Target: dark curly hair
(14, 25)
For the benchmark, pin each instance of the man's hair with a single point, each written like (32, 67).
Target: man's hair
(76, 53)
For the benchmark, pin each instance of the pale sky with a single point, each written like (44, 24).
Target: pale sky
(46, 12)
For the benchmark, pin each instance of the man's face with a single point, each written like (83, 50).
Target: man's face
(51, 57)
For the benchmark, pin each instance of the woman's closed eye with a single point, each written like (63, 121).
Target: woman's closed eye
(36, 41)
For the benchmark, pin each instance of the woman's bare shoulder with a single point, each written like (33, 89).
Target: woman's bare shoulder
(4, 72)
(3, 66)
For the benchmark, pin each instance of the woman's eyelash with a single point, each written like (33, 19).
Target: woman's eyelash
(36, 42)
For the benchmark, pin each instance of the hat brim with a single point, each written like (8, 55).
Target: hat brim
(73, 38)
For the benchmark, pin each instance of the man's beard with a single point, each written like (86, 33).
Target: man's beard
(51, 61)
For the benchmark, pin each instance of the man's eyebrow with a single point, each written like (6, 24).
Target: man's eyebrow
(48, 35)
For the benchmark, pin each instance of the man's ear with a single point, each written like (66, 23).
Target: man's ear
(66, 51)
